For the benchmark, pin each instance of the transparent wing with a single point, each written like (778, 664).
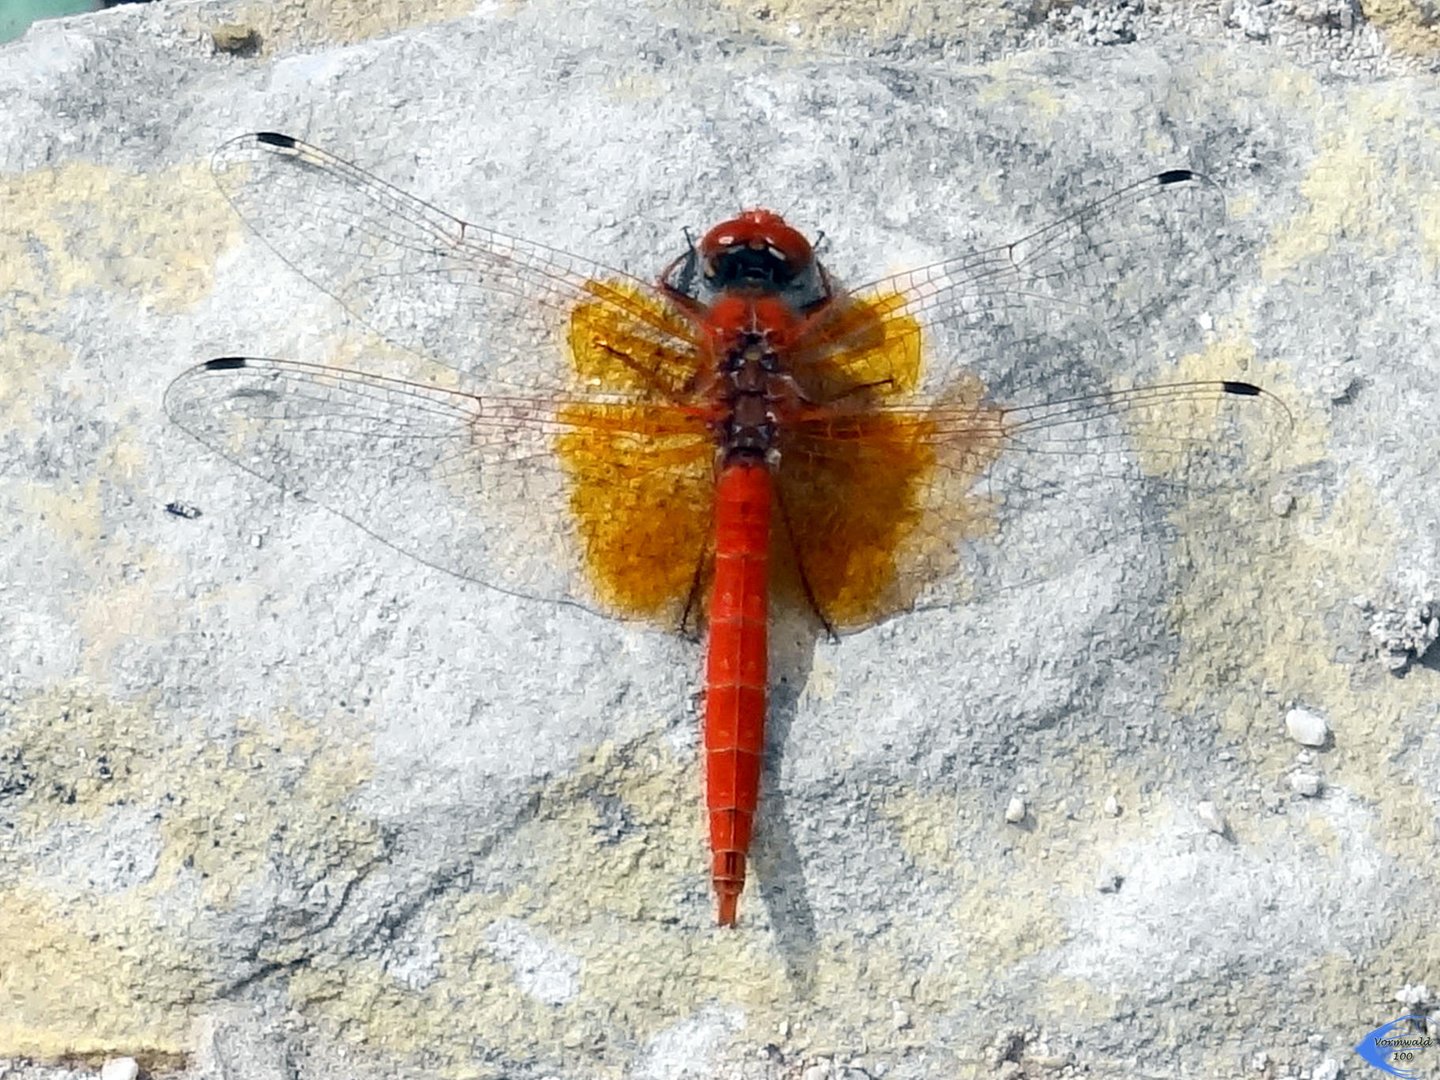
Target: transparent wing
(534, 496)
(1111, 284)
(906, 508)
(569, 463)
(466, 296)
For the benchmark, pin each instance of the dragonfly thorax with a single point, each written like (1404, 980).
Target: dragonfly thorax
(750, 389)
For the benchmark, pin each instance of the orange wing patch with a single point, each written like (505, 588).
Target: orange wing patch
(629, 342)
(860, 344)
(640, 468)
(876, 496)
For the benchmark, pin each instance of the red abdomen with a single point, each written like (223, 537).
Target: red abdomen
(735, 673)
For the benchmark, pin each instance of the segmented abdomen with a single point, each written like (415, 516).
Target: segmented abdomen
(735, 673)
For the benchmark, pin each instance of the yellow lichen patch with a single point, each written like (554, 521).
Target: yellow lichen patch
(606, 887)
(1003, 908)
(79, 754)
(1427, 214)
(113, 602)
(272, 795)
(83, 226)
(1008, 82)
(1355, 190)
(472, 1012)
(1225, 458)
(878, 964)
(91, 976)
(1001, 919)
(606, 850)
(1184, 422)
(1408, 30)
(1078, 1000)
(74, 513)
(1254, 643)
(636, 980)
(131, 607)
(1293, 86)
(925, 826)
(1342, 188)
(1344, 982)
(92, 969)
(363, 350)
(26, 361)
(1045, 106)
(1089, 771)
(1325, 551)
(283, 27)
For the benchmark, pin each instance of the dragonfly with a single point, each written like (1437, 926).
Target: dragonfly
(739, 434)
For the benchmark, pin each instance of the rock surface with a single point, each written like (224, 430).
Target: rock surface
(279, 802)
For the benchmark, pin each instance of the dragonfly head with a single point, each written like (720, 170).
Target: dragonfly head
(756, 249)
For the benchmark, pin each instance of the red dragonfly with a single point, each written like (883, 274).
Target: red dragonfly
(741, 433)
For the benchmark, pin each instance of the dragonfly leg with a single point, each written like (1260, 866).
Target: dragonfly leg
(800, 570)
(689, 625)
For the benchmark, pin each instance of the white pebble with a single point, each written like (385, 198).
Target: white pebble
(1015, 810)
(1306, 727)
(119, 1069)
(1212, 817)
(1112, 805)
(1413, 997)
(1305, 783)
(899, 1018)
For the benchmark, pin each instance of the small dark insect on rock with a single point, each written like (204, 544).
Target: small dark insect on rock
(182, 510)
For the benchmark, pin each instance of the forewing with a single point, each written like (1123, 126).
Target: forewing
(466, 296)
(1108, 285)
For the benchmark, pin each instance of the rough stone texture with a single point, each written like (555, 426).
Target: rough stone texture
(277, 802)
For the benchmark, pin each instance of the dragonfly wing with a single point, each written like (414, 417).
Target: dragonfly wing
(466, 296)
(914, 508)
(503, 490)
(1092, 288)
(1158, 467)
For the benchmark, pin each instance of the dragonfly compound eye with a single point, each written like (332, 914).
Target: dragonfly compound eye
(756, 248)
